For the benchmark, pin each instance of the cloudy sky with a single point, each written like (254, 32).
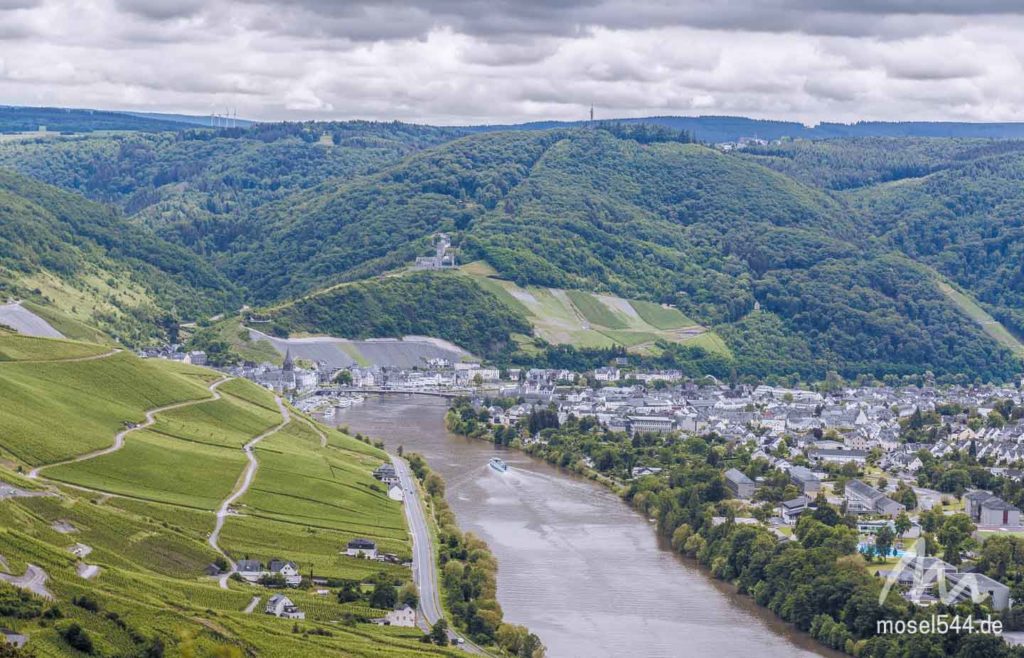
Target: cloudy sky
(477, 61)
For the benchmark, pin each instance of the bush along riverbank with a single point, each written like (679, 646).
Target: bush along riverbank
(469, 576)
(817, 580)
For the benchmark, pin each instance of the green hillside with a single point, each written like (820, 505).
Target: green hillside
(146, 510)
(199, 187)
(95, 268)
(54, 410)
(587, 320)
(964, 221)
(709, 233)
(440, 304)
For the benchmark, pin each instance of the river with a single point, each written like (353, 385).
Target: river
(575, 564)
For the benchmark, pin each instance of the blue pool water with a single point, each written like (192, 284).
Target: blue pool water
(869, 549)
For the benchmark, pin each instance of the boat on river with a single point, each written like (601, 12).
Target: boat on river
(498, 465)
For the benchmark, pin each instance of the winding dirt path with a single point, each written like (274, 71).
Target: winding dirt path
(120, 436)
(319, 432)
(246, 481)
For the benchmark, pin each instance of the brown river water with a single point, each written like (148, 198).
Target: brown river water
(576, 564)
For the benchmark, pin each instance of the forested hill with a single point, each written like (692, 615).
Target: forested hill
(803, 256)
(84, 259)
(672, 222)
(67, 120)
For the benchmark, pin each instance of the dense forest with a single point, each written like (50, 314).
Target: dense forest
(805, 256)
(667, 221)
(65, 120)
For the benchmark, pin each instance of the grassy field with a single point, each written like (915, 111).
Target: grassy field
(155, 467)
(15, 347)
(258, 351)
(583, 319)
(992, 327)
(662, 317)
(54, 411)
(229, 422)
(71, 328)
(307, 501)
(250, 392)
(595, 311)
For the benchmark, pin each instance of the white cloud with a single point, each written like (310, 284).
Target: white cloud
(457, 61)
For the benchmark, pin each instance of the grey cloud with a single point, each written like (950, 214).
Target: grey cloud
(934, 70)
(888, 18)
(19, 4)
(160, 9)
(448, 61)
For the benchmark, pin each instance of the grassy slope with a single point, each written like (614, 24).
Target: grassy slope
(28, 348)
(308, 501)
(54, 411)
(70, 327)
(662, 317)
(563, 316)
(152, 553)
(94, 267)
(155, 467)
(229, 422)
(594, 311)
(992, 327)
(231, 331)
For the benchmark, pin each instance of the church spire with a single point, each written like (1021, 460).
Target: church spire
(288, 363)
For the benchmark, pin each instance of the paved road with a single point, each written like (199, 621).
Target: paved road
(247, 477)
(119, 437)
(424, 566)
(34, 581)
(252, 605)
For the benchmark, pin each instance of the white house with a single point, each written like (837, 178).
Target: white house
(196, 358)
(280, 605)
(288, 570)
(403, 616)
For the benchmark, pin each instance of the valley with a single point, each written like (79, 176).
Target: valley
(173, 298)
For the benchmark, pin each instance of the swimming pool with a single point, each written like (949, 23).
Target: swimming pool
(868, 549)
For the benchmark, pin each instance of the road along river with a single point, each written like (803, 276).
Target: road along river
(575, 563)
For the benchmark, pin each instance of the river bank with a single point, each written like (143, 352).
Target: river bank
(577, 565)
